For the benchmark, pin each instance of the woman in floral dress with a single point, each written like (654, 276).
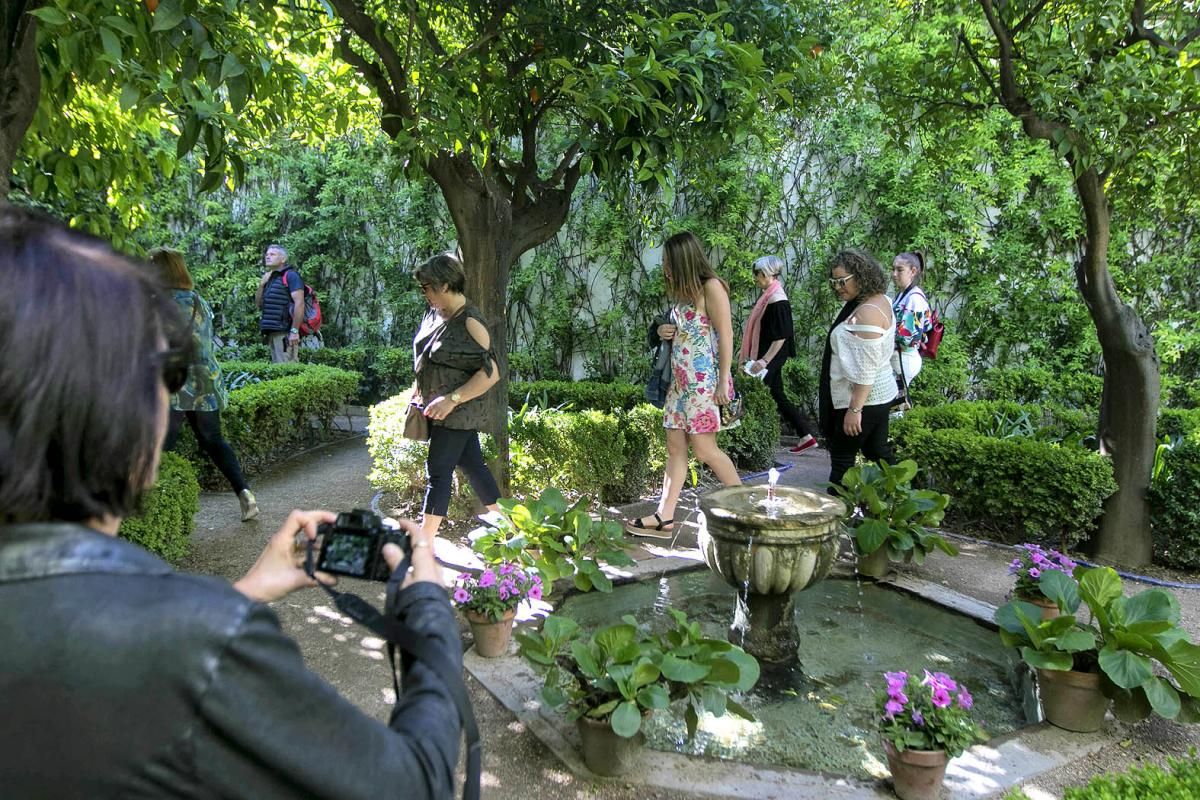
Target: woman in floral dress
(701, 336)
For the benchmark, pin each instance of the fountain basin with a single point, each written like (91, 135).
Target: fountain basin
(769, 545)
(770, 550)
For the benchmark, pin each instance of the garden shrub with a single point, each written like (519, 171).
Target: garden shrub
(1174, 512)
(385, 371)
(1011, 489)
(1180, 780)
(1179, 423)
(946, 378)
(752, 444)
(1036, 383)
(164, 524)
(801, 383)
(393, 370)
(398, 464)
(578, 394)
(268, 421)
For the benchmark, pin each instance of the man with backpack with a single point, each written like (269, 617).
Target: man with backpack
(280, 295)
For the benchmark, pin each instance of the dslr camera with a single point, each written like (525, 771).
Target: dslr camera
(353, 546)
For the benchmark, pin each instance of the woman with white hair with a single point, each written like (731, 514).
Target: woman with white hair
(769, 342)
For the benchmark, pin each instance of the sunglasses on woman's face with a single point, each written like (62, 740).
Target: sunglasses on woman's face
(838, 283)
(173, 365)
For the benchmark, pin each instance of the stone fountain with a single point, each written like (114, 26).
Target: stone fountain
(769, 542)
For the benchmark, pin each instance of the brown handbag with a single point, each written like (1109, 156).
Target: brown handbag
(416, 424)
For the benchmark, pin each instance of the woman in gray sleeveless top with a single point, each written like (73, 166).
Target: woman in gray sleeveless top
(455, 366)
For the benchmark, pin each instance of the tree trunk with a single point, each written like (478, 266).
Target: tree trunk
(20, 84)
(493, 233)
(1129, 407)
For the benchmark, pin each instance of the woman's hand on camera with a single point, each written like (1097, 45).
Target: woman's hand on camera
(424, 565)
(666, 331)
(279, 570)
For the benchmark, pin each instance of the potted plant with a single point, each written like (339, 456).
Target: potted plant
(558, 539)
(1083, 666)
(489, 601)
(609, 681)
(924, 722)
(1031, 562)
(888, 519)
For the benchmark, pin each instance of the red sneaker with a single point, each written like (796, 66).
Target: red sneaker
(805, 445)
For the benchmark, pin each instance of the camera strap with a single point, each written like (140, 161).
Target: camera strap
(399, 635)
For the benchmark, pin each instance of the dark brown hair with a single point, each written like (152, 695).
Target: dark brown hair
(83, 329)
(916, 260)
(172, 271)
(864, 267)
(687, 267)
(443, 269)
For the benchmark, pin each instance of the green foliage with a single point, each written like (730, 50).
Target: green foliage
(1174, 511)
(1013, 489)
(802, 384)
(385, 371)
(567, 541)
(946, 378)
(1037, 384)
(1179, 423)
(919, 713)
(752, 444)
(624, 671)
(575, 395)
(1179, 781)
(885, 511)
(1126, 640)
(164, 524)
(268, 421)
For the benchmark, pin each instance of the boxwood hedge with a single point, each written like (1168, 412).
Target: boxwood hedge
(164, 525)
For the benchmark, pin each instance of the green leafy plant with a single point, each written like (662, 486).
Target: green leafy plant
(558, 539)
(885, 511)
(495, 592)
(1124, 639)
(163, 525)
(624, 671)
(1174, 513)
(927, 713)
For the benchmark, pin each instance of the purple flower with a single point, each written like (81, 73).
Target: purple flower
(1034, 572)
(964, 698)
(461, 595)
(463, 577)
(508, 589)
(892, 709)
(895, 678)
(939, 680)
(507, 569)
(940, 698)
(535, 592)
(488, 578)
(918, 718)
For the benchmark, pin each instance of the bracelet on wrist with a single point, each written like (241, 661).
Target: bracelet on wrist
(853, 410)
(294, 330)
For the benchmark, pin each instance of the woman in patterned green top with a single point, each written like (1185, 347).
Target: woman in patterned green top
(203, 397)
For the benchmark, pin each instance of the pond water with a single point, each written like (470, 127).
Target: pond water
(818, 713)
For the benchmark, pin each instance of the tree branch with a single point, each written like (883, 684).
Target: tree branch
(426, 32)
(1028, 18)
(364, 26)
(983, 73)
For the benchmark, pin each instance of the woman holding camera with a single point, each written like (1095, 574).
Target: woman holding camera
(455, 366)
(122, 677)
(857, 387)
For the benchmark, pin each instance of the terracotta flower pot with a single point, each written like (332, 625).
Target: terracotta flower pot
(916, 774)
(604, 752)
(1072, 700)
(491, 636)
(1049, 607)
(874, 564)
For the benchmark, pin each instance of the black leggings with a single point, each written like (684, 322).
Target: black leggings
(794, 416)
(872, 441)
(450, 448)
(207, 427)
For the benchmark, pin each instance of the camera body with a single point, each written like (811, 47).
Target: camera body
(353, 546)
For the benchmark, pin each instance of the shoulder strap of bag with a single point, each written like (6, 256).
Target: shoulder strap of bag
(399, 635)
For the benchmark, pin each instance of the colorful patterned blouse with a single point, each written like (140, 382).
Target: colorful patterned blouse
(204, 390)
(912, 318)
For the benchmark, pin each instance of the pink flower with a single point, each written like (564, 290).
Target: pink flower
(507, 569)
(535, 592)
(892, 709)
(941, 698)
(461, 595)
(507, 589)
(700, 376)
(488, 578)
(1034, 572)
(965, 701)
(689, 315)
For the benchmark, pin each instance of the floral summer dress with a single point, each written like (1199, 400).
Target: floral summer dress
(689, 404)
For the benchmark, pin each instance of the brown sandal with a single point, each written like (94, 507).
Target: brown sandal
(659, 531)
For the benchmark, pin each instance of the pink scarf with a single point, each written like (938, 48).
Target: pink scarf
(753, 325)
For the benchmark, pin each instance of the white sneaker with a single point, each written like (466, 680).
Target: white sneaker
(249, 505)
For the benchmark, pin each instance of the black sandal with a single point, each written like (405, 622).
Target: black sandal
(659, 531)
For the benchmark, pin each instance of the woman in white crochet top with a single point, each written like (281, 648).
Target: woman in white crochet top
(857, 387)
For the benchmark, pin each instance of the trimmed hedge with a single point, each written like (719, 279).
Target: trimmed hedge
(579, 394)
(164, 525)
(1012, 489)
(385, 371)
(1174, 510)
(268, 421)
(1038, 384)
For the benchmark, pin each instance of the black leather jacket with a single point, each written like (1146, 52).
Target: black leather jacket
(120, 677)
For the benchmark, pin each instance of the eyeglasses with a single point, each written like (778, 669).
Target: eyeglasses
(173, 365)
(425, 287)
(838, 283)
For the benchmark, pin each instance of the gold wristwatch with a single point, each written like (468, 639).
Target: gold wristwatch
(456, 397)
